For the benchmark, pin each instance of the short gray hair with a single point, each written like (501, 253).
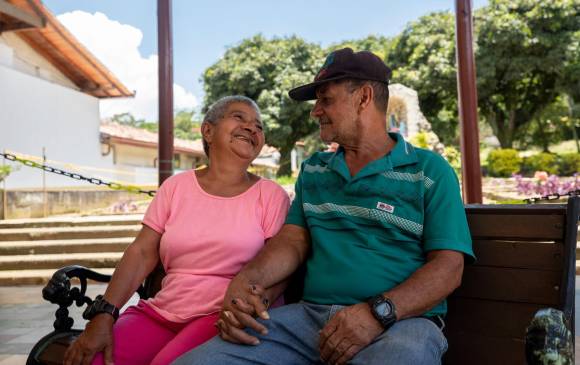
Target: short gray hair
(217, 111)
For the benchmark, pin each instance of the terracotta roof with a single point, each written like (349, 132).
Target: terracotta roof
(125, 134)
(65, 52)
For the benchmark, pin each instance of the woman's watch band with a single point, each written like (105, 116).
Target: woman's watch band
(100, 305)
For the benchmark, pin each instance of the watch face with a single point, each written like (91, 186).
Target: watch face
(383, 309)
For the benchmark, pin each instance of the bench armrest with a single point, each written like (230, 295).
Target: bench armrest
(59, 291)
(549, 338)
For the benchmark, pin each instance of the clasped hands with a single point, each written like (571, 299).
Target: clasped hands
(345, 334)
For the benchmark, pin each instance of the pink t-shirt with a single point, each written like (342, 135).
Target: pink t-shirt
(206, 240)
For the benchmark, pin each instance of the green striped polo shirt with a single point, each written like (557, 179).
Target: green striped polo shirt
(371, 231)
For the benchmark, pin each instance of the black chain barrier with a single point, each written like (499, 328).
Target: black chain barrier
(75, 176)
(556, 196)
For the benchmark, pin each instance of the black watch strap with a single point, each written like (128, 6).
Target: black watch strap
(383, 310)
(100, 305)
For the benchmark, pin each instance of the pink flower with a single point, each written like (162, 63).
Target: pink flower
(541, 175)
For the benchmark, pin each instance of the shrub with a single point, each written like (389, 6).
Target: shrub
(453, 156)
(540, 162)
(568, 164)
(503, 162)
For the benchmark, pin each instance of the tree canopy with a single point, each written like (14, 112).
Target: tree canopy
(265, 70)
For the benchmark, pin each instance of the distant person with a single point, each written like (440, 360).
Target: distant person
(203, 225)
(381, 228)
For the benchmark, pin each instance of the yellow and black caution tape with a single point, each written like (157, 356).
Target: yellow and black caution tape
(76, 176)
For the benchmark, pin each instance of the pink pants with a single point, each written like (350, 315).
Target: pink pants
(141, 336)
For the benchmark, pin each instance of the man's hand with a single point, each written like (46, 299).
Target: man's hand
(349, 331)
(242, 303)
(97, 336)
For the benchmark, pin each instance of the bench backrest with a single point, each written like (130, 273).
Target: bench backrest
(525, 261)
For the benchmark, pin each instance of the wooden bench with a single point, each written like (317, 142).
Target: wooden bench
(526, 262)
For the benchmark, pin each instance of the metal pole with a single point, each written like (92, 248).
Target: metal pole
(165, 50)
(44, 202)
(467, 95)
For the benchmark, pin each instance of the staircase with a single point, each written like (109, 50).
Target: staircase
(31, 250)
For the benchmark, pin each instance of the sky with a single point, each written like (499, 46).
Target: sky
(123, 35)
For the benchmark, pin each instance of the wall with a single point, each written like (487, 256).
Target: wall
(30, 203)
(35, 113)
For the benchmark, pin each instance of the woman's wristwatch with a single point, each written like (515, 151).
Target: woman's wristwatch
(100, 305)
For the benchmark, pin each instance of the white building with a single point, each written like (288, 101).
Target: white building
(50, 86)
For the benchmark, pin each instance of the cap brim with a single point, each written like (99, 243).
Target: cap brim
(308, 91)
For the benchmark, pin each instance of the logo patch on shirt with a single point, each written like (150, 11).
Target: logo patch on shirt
(386, 207)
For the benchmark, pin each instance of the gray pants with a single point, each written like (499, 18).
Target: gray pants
(292, 339)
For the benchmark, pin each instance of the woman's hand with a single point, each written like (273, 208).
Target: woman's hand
(241, 306)
(97, 337)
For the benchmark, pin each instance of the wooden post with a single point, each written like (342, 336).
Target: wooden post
(165, 50)
(467, 101)
(165, 160)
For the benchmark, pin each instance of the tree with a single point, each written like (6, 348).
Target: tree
(379, 45)
(265, 70)
(423, 58)
(185, 125)
(524, 49)
(521, 52)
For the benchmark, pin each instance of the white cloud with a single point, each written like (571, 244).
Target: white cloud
(116, 45)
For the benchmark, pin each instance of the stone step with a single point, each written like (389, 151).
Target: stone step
(35, 277)
(64, 246)
(56, 261)
(55, 233)
(106, 220)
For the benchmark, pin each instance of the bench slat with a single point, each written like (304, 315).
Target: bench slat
(524, 255)
(472, 349)
(507, 226)
(489, 318)
(513, 285)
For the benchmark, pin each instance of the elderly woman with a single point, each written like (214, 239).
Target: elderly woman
(204, 225)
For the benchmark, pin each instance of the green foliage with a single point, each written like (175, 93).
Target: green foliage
(286, 180)
(551, 126)
(265, 70)
(127, 119)
(379, 45)
(5, 170)
(522, 47)
(184, 126)
(420, 140)
(540, 162)
(568, 164)
(453, 156)
(503, 162)
(423, 58)
(527, 53)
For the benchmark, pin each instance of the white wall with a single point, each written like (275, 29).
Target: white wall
(36, 113)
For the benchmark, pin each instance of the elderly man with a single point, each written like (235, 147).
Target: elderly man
(381, 228)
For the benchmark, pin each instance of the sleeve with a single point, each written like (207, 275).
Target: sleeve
(160, 207)
(445, 224)
(296, 213)
(275, 211)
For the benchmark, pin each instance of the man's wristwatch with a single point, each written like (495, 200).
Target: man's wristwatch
(383, 310)
(100, 305)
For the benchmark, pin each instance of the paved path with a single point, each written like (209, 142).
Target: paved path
(25, 317)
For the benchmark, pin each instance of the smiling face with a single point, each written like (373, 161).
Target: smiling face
(239, 132)
(336, 113)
